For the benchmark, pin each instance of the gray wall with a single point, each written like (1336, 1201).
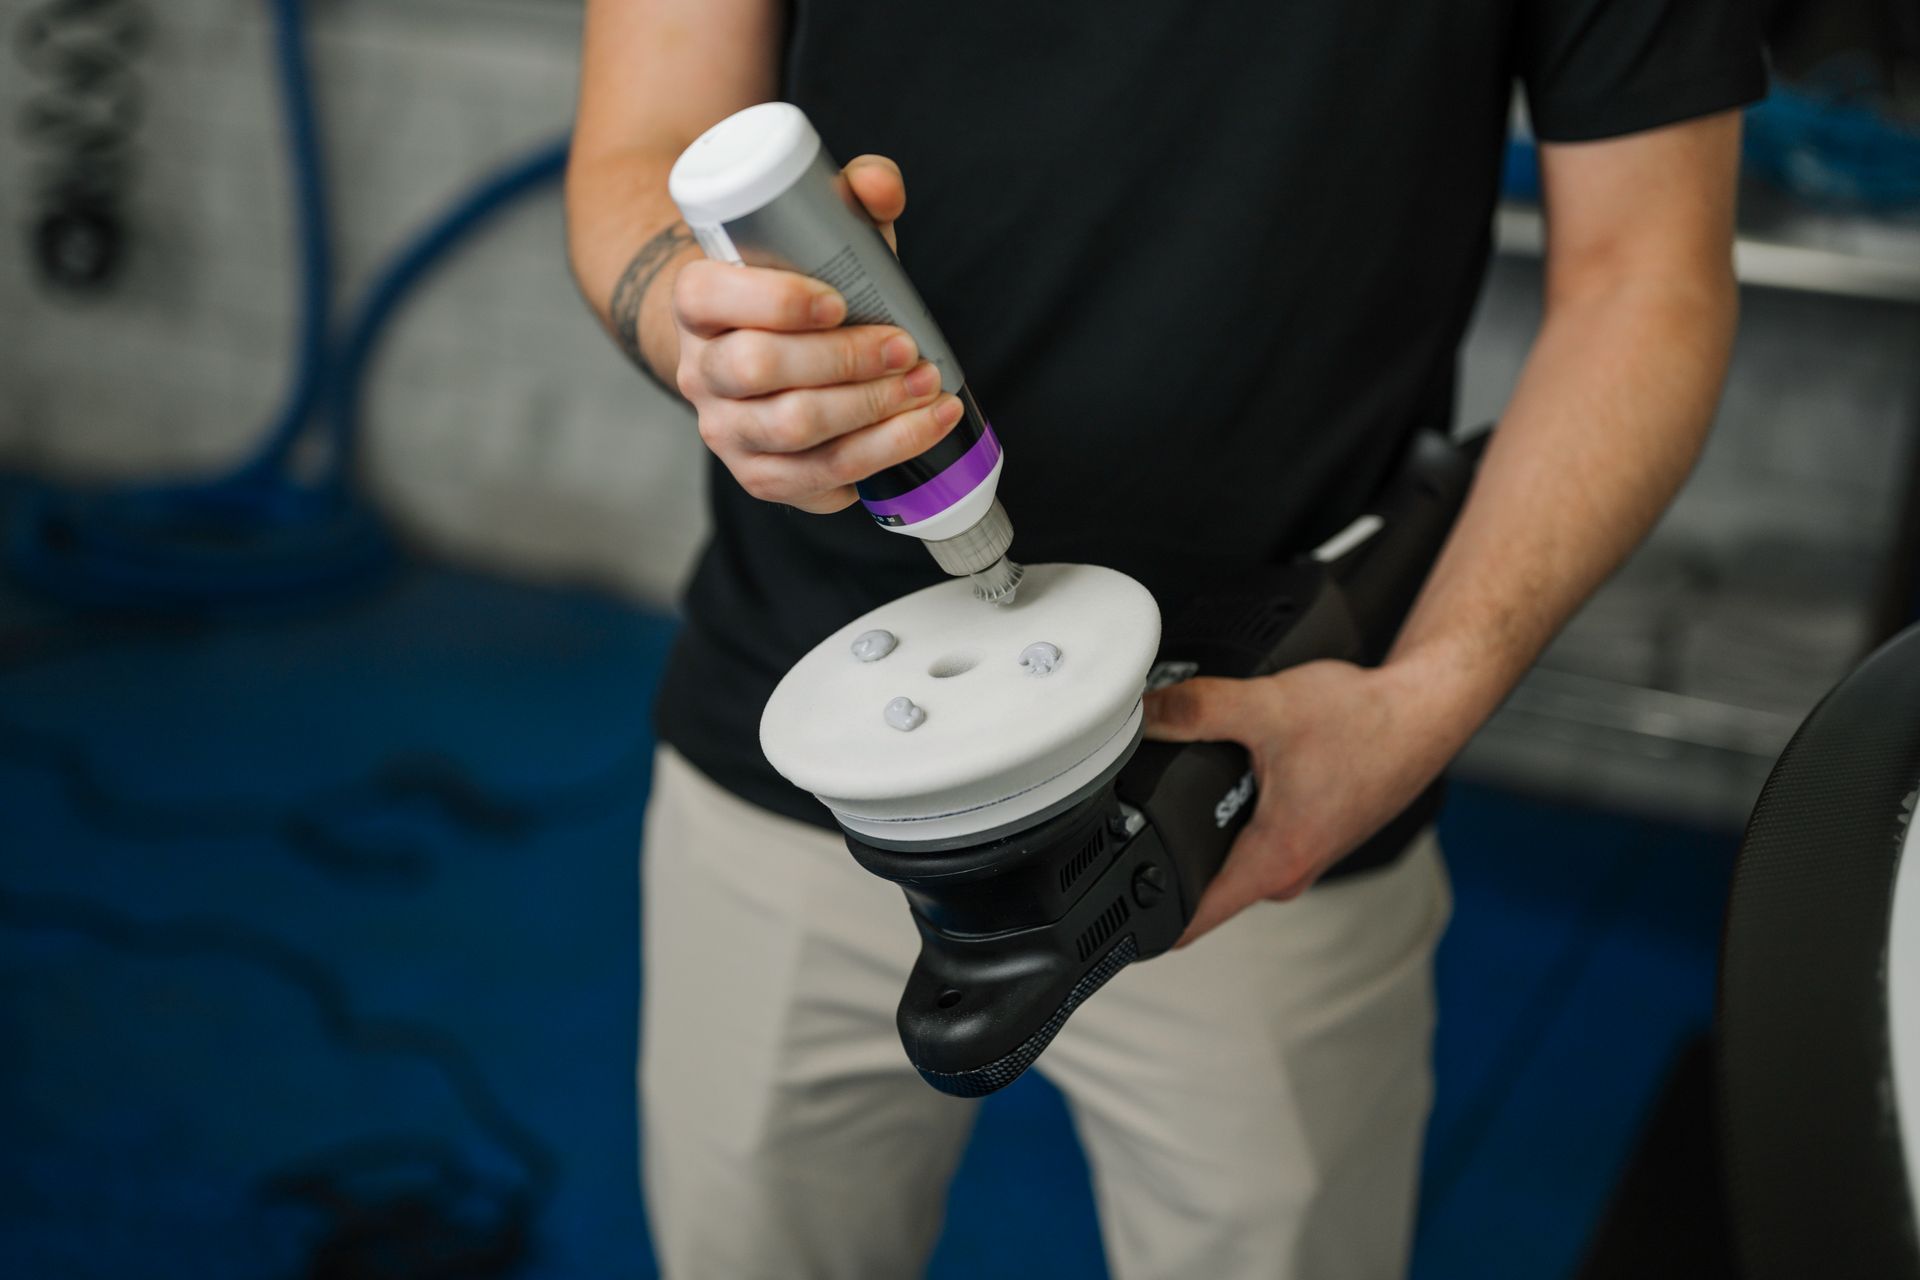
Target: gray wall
(503, 428)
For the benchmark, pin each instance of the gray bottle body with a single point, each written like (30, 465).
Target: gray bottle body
(759, 189)
(815, 226)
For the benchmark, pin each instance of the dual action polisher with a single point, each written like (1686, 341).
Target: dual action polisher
(990, 762)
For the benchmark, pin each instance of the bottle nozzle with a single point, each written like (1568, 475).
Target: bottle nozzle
(997, 582)
(980, 553)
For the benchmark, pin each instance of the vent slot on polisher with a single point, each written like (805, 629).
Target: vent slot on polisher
(1089, 854)
(1256, 622)
(1096, 934)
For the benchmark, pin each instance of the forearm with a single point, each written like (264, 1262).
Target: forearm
(1607, 419)
(652, 76)
(625, 241)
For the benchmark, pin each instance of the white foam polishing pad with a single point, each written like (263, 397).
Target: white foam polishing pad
(937, 716)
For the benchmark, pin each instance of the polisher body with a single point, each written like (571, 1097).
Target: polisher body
(1024, 923)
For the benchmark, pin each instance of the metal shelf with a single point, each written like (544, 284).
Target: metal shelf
(1620, 746)
(1808, 253)
(453, 16)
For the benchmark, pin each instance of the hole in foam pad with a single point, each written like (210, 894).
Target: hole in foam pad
(948, 998)
(953, 664)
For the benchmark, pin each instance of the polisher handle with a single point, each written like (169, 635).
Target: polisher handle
(1347, 606)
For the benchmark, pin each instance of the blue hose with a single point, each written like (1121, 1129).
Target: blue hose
(429, 247)
(301, 121)
(256, 534)
(1833, 140)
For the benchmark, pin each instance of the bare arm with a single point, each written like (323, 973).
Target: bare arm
(1609, 413)
(1607, 419)
(654, 74)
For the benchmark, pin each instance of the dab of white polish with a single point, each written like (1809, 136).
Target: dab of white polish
(1040, 658)
(903, 715)
(871, 646)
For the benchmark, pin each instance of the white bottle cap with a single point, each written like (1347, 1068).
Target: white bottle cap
(743, 163)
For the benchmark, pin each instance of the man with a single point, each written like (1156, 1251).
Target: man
(1207, 266)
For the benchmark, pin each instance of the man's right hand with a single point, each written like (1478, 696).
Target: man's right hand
(797, 407)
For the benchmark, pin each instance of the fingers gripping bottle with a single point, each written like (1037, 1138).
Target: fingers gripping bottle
(759, 189)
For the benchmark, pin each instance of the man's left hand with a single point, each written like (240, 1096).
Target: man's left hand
(1337, 751)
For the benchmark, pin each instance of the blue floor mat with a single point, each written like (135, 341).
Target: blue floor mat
(317, 936)
(1581, 959)
(352, 951)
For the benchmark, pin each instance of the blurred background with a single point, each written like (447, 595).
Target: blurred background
(340, 552)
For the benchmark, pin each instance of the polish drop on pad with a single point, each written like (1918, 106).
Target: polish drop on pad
(1023, 703)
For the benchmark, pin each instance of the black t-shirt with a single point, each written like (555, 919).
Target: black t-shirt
(1206, 266)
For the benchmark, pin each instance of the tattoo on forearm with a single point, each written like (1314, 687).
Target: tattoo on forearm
(623, 310)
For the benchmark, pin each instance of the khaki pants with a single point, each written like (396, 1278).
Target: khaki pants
(1251, 1106)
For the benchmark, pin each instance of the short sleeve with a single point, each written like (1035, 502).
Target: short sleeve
(1601, 68)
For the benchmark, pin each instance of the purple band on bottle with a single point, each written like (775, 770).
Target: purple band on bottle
(945, 489)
